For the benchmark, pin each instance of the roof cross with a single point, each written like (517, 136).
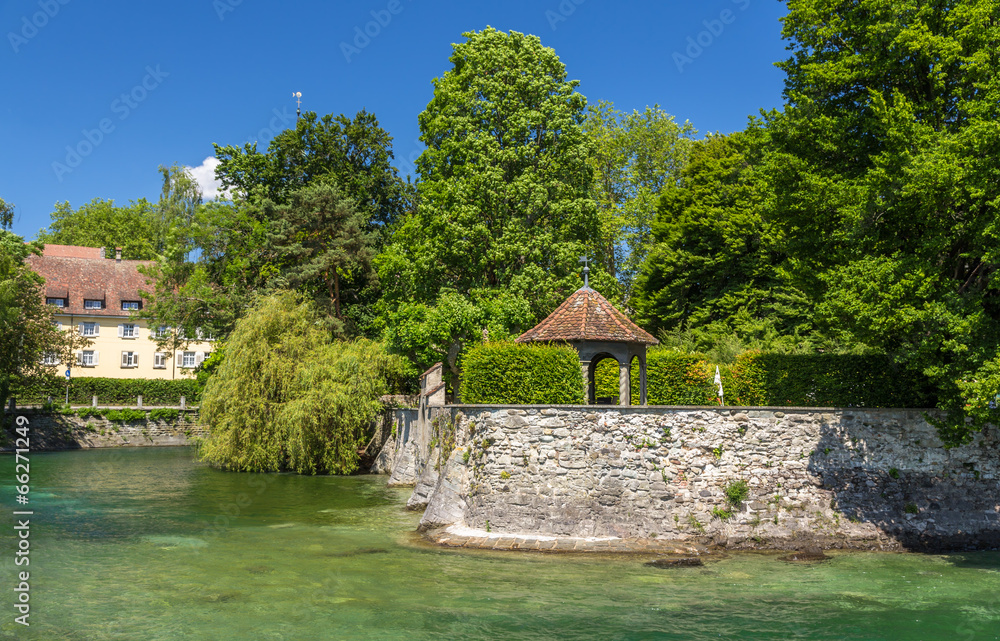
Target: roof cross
(586, 271)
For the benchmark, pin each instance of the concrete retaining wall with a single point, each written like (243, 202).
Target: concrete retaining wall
(874, 479)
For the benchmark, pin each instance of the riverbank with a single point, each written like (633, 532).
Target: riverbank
(52, 431)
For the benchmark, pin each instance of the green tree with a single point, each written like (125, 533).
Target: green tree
(287, 397)
(885, 177)
(353, 153)
(27, 330)
(716, 268)
(321, 245)
(504, 189)
(6, 214)
(635, 157)
(100, 223)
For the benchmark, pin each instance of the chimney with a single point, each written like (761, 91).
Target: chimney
(118, 254)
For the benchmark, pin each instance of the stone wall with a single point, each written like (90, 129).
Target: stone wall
(874, 479)
(50, 431)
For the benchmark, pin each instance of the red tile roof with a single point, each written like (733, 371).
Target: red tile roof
(78, 274)
(72, 251)
(587, 316)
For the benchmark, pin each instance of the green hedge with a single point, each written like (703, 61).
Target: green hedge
(823, 380)
(109, 391)
(516, 374)
(672, 378)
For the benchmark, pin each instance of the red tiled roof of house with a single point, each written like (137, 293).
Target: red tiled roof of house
(79, 273)
(72, 251)
(587, 316)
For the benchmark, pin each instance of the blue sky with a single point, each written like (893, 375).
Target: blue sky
(97, 95)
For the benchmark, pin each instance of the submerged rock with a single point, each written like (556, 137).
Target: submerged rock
(679, 562)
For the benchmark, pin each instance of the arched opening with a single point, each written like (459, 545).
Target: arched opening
(603, 380)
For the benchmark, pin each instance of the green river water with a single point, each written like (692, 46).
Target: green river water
(149, 544)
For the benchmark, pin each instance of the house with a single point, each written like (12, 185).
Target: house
(98, 298)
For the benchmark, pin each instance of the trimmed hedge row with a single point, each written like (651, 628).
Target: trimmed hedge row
(109, 391)
(515, 374)
(522, 374)
(824, 380)
(672, 378)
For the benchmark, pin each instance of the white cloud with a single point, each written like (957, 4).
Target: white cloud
(204, 175)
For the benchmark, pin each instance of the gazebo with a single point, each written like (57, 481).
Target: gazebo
(592, 325)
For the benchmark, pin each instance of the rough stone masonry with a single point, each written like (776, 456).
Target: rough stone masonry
(845, 478)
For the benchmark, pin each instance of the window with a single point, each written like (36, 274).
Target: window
(128, 330)
(50, 358)
(162, 331)
(56, 302)
(159, 360)
(130, 359)
(188, 359)
(130, 305)
(93, 304)
(87, 358)
(89, 329)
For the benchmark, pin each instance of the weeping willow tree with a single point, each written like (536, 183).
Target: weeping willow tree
(288, 397)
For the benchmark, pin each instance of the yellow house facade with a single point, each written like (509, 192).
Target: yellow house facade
(98, 298)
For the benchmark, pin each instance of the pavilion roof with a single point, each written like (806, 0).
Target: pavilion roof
(587, 316)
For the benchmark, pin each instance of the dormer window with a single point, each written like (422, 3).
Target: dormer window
(93, 304)
(130, 305)
(56, 302)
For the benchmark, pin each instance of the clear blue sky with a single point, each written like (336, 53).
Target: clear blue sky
(167, 79)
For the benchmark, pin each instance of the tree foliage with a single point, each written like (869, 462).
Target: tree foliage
(634, 157)
(27, 330)
(100, 223)
(353, 153)
(717, 268)
(504, 203)
(887, 186)
(287, 397)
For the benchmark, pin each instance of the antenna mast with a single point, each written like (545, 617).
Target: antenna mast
(298, 104)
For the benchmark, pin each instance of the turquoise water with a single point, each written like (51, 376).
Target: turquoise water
(148, 544)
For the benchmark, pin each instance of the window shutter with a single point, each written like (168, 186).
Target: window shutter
(80, 329)
(95, 357)
(121, 330)
(124, 359)
(135, 360)
(79, 358)
(97, 329)
(199, 358)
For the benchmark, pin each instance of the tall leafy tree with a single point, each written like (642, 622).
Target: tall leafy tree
(27, 331)
(887, 186)
(635, 156)
(504, 189)
(322, 247)
(353, 153)
(717, 266)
